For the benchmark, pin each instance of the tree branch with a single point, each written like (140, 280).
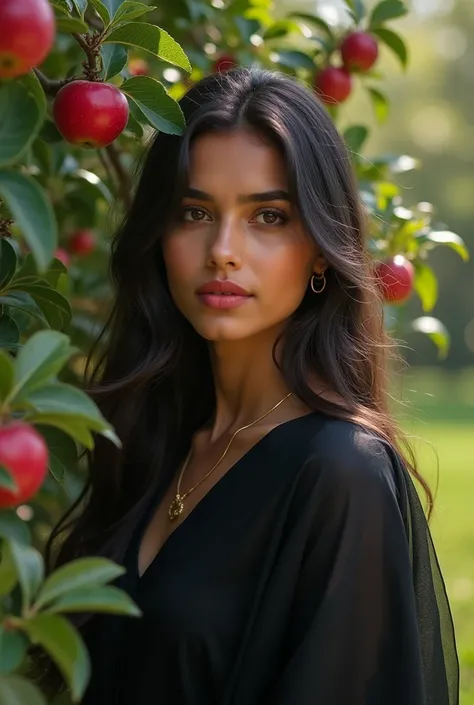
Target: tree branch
(104, 159)
(123, 177)
(90, 43)
(50, 86)
(81, 40)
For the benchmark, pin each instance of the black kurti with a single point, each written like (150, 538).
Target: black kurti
(306, 576)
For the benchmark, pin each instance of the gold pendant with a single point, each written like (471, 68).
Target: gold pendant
(176, 508)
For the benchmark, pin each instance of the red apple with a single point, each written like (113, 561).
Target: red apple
(82, 242)
(24, 453)
(359, 51)
(396, 278)
(223, 63)
(139, 67)
(63, 256)
(333, 84)
(90, 113)
(27, 30)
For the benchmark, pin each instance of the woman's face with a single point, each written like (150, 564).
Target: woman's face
(237, 226)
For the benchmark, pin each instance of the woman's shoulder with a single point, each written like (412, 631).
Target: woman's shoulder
(347, 455)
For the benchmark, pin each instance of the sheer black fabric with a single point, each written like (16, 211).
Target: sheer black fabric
(306, 576)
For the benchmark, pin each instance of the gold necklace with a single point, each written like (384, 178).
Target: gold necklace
(177, 505)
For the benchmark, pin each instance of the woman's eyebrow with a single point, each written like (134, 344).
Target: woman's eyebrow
(275, 195)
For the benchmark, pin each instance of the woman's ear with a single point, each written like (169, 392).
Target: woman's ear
(320, 265)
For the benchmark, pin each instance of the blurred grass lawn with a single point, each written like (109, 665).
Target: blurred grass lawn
(442, 417)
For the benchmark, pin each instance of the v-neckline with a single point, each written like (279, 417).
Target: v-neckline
(205, 499)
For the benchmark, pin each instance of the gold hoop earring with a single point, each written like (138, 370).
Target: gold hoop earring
(321, 279)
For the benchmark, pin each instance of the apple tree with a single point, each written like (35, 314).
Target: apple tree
(83, 84)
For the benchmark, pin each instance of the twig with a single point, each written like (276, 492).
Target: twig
(81, 40)
(50, 86)
(90, 43)
(107, 167)
(123, 177)
(5, 224)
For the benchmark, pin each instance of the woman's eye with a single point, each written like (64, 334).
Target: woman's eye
(193, 214)
(272, 217)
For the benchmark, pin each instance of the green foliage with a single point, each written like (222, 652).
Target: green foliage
(49, 312)
(160, 111)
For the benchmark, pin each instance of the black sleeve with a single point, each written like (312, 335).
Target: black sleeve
(365, 625)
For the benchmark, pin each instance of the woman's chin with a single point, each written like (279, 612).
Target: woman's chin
(221, 331)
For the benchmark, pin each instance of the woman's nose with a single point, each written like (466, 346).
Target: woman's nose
(226, 246)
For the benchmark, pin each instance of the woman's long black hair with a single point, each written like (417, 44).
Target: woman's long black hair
(154, 382)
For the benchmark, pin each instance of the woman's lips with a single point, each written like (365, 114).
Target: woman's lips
(223, 301)
(223, 294)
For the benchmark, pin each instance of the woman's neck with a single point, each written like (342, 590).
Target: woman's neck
(247, 381)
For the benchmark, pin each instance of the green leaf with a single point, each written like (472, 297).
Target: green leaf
(65, 399)
(134, 116)
(426, 285)
(114, 58)
(356, 8)
(30, 81)
(55, 306)
(12, 527)
(313, 19)
(13, 648)
(65, 646)
(8, 262)
(281, 28)
(95, 599)
(28, 267)
(7, 374)
(101, 10)
(77, 575)
(24, 303)
(445, 237)
(160, 110)
(69, 25)
(435, 331)
(69, 402)
(380, 103)
(8, 572)
(15, 690)
(32, 210)
(130, 10)
(55, 271)
(50, 133)
(80, 6)
(113, 5)
(62, 451)
(293, 59)
(9, 335)
(40, 359)
(355, 137)
(30, 569)
(260, 14)
(20, 120)
(6, 480)
(65, 5)
(75, 427)
(394, 42)
(387, 10)
(152, 39)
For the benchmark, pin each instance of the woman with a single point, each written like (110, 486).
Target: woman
(272, 536)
